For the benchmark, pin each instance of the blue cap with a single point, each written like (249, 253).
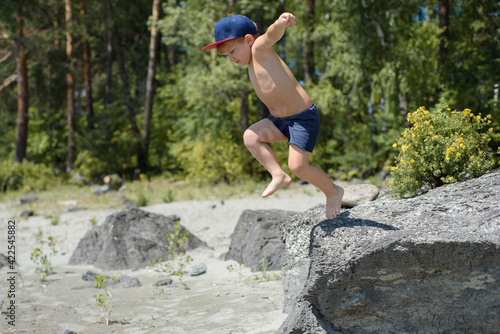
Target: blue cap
(231, 27)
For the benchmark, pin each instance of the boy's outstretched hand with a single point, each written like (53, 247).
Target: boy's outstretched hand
(288, 19)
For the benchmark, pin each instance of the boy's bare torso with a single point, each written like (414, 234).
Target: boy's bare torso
(275, 84)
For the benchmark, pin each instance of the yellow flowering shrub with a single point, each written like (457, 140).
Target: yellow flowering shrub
(442, 146)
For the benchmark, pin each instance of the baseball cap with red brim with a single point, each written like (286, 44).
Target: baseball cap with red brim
(231, 27)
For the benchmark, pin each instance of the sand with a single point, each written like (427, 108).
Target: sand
(221, 301)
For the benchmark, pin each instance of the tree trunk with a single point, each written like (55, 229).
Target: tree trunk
(86, 70)
(54, 103)
(70, 90)
(127, 97)
(124, 78)
(109, 54)
(309, 68)
(444, 22)
(244, 111)
(22, 94)
(154, 47)
(172, 56)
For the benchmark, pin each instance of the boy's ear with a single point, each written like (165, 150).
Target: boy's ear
(249, 39)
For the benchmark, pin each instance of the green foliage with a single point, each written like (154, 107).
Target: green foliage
(47, 137)
(168, 196)
(27, 176)
(103, 302)
(225, 156)
(93, 221)
(108, 147)
(142, 199)
(55, 220)
(374, 61)
(42, 259)
(468, 78)
(238, 268)
(177, 253)
(441, 147)
(266, 275)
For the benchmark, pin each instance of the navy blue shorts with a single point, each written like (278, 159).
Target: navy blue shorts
(301, 129)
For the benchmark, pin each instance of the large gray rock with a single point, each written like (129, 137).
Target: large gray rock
(128, 239)
(429, 264)
(357, 194)
(28, 198)
(257, 236)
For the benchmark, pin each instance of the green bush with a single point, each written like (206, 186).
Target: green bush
(27, 176)
(209, 160)
(441, 147)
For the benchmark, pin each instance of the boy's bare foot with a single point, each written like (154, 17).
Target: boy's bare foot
(277, 183)
(333, 203)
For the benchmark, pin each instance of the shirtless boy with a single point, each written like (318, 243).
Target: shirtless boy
(294, 117)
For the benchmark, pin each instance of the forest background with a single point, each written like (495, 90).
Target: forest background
(122, 86)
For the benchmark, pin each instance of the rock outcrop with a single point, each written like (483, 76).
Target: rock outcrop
(128, 240)
(429, 264)
(256, 237)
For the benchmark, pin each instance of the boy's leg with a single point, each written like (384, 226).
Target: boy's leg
(256, 139)
(298, 161)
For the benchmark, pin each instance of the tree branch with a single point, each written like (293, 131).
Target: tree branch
(6, 57)
(8, 81)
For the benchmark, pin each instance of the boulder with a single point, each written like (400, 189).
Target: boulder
(27, 213)
(99, 190)
(28, 198)
(78, 178)
(429, 264)
(357, 194)
(89, 276)
(257, 236)
(163, 282)
(124, 281)
(128, 240)
(67, 331)
(197, 269)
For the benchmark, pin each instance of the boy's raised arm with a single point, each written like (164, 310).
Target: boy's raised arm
(275, 31)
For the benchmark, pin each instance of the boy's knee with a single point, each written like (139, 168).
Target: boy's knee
(249, 137)
(296, 168)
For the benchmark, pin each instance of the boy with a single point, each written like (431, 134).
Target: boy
(293, 115)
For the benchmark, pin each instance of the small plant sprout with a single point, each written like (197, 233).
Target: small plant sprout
(55, 220)
(263, 265)
(103, 301)
(265, 274)
(93, 221)
(41, 259)
(168, 196)
(239, 268)
(177, 252)
(154, 262)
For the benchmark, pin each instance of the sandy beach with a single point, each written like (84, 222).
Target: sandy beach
(221, 301)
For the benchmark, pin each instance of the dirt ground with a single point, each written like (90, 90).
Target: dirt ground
(221, 301)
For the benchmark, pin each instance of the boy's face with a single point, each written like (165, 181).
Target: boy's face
(239, 50)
